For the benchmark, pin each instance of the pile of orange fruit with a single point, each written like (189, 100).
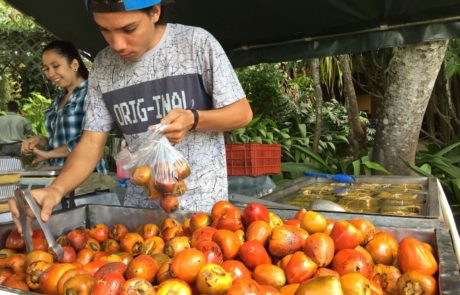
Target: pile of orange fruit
(228, 251)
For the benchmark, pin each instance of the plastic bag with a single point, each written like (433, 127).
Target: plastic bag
(158, 166)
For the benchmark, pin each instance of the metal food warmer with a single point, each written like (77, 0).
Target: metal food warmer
(432, 231)
(404, 196)
(13, 175)
(411, 203)
(383, 195)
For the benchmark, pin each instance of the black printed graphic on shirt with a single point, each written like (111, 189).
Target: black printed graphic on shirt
(136, 107)
(183, 50)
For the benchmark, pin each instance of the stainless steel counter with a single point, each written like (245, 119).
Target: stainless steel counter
(432, 231)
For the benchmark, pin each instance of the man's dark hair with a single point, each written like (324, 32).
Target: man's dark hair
(120, 5)
(162, 19)
(109, 5)
(12, 106)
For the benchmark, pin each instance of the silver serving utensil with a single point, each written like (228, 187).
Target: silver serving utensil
(26, 228)
(325, 205)
(22, 198)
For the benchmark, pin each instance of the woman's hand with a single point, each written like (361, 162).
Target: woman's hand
(40, 156)
(179, 122)
(28, 145)
(46, 199)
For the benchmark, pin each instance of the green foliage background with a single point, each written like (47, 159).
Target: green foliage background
(21, 42)
(281, 96)
(283, 100)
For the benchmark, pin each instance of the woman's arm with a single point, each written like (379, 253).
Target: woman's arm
(59, 152)
(78, 167)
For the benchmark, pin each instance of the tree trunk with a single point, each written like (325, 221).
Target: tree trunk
(314, 68)
(358, 139)
(410, 79)
(430, 120)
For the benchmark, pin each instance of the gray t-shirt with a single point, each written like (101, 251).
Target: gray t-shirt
(13, 128)
(187, 69)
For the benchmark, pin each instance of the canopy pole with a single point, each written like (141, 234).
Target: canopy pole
(381, 28)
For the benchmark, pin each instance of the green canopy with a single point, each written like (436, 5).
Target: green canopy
(254, 31)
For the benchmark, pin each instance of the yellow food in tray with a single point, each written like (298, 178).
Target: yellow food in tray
(371, 186)
(301, 204)
(396, 195)
(312, 197)
(357, 196)
(303, 200)
(322, 187)
(402, 200)
(355, 192)
(359, 205)
(10, 178)
(407, 187)
(387, 198)
(401, 210)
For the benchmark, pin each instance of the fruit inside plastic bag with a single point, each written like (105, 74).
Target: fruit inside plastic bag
(158, 166)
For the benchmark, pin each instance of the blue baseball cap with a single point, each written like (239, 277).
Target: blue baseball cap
(120, 5)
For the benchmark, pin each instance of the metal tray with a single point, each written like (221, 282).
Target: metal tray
(10, 163)
(39, 173)
(429, 209)
(13, 165)
(32, 173)
(7, 192)
(41, 176)
(431, 231)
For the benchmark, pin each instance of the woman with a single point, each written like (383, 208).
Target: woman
(64, 67)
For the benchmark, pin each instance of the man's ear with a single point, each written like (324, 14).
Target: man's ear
(156, 12)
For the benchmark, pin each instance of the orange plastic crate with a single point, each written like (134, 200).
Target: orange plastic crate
(253, 159)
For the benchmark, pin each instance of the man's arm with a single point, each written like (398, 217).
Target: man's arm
(79, 165)
(81, 161)
(233, 116)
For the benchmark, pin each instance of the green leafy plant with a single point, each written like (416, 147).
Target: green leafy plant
(264, 131)
(453, 58)
(34, 110)
(272, 92)
(331, 74)
(441, 162)
(361, 166)
(282, 95)
(262, 86)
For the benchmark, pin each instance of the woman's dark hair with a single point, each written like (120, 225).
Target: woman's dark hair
(70, 52)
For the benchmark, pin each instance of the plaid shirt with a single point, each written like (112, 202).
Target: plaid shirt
(64, 125)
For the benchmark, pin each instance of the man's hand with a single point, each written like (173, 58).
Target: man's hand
(46, 199)
(179, 122)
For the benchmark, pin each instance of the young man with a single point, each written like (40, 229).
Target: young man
(156, 73)
(14, 128)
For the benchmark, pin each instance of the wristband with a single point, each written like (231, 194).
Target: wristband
(196, 118)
